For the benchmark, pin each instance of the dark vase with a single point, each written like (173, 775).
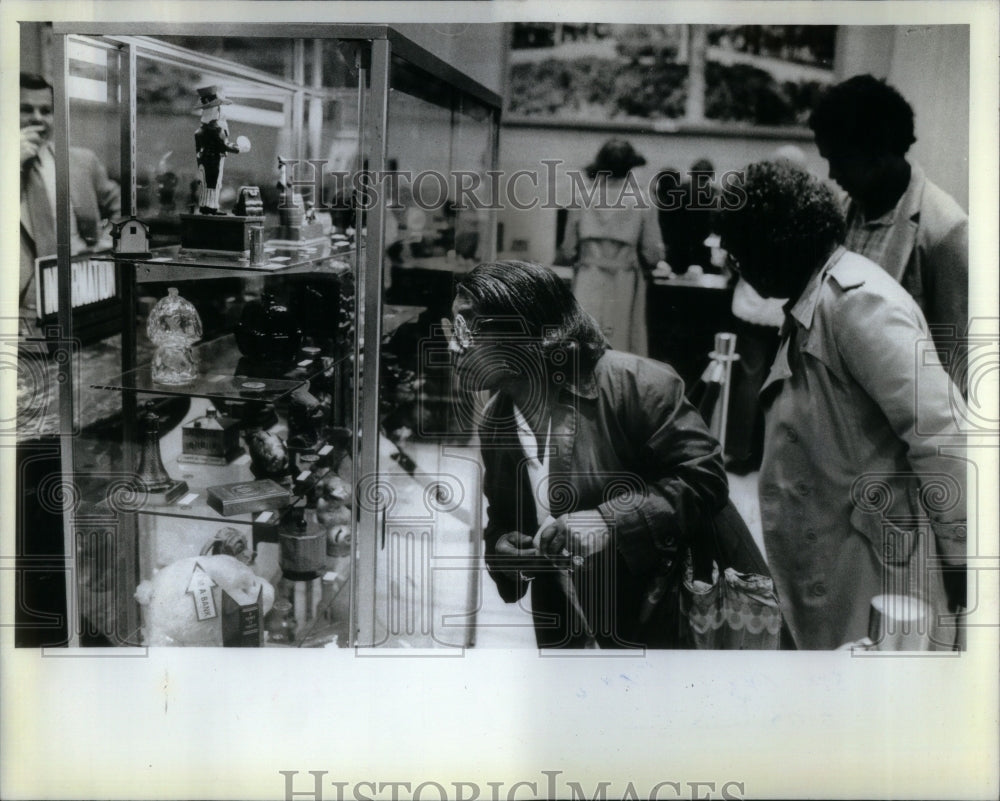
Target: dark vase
(267, 331)
(317, 307)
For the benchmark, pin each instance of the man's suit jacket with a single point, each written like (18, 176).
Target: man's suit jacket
(94, 196)
(928, 253)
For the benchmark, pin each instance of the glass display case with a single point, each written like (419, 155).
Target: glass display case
(238, 475)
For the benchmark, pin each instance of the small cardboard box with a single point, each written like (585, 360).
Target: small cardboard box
(248, 496)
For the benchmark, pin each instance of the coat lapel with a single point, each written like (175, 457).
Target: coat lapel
(780, 369)
(899, 247)
(561, 454)
(903, 236)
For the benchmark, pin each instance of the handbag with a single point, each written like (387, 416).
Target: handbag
(718, 594)
(735, 611)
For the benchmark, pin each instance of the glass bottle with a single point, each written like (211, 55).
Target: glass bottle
(279, 624)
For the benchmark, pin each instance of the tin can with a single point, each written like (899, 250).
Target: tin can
(256, 233)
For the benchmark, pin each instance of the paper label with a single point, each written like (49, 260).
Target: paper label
(200, 588)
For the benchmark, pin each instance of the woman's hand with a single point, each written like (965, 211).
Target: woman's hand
(579, 534)
(518, 552)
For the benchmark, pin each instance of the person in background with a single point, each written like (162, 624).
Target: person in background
(95, 198)
(613, 242)
(40, 614)
(896, 216)
(590, 454)
(685, 215)
(756, 322)
(856, 497)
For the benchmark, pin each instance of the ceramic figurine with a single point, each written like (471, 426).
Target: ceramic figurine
(269, 457)
(333, 513)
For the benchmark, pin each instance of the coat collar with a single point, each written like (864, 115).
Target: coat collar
(583, 386)
(803, 309)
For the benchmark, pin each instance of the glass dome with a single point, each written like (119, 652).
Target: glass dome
(174, 326)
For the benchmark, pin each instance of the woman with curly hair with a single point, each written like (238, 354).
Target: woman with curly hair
(856, 498)
(598, 472)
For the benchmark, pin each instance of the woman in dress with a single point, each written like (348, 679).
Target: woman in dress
(612, 239)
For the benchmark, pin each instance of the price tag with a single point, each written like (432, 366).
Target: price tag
(187, 500)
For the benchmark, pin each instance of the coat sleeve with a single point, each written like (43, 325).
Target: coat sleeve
(946, 281)
(682, 480)
(886, 347)
(501, 516)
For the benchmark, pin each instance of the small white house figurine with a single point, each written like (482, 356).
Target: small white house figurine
(131, 237)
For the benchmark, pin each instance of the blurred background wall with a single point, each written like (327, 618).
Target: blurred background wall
(928, 64)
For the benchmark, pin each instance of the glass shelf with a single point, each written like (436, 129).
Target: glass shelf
(193, 504)
(393, 317)
(171, 263)
(221, 377)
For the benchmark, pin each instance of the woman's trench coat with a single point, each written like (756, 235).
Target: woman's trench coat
(605, 243)
(857, 496)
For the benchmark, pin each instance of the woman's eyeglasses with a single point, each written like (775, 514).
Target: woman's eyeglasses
(459, 332)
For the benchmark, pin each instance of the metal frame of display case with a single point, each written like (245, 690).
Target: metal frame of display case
(383, 42)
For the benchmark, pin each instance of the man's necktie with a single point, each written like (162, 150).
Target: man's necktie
(43, 224)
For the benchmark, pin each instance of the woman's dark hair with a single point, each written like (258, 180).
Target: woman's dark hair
(540, 302)
(787, 224)
(866, 115)
(615, 158)
(32, 80)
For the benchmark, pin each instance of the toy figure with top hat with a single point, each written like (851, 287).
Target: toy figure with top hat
(212, 232)
(212, 145)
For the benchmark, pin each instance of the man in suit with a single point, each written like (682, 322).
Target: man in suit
(895, 216)
(41, 612)
(94, 197)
